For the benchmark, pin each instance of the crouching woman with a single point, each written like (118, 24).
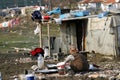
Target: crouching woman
(77, 61)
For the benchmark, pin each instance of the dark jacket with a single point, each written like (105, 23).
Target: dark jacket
(79, 63)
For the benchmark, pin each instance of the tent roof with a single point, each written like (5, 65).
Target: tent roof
(77, 18)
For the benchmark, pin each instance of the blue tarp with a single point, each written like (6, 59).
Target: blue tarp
(80, 13)
(55, 11)
(62, 16)
(75, 14)
(101, 15)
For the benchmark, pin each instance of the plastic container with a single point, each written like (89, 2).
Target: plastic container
(40, 61)
(61, 68)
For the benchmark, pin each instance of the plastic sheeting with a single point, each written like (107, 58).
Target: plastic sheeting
(98, 36)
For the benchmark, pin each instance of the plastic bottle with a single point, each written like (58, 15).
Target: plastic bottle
(40, 61)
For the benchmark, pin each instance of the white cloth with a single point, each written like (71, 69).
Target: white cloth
(37, 30)
(92, 67)
(82, 6)
(58, 21)
(92, 5)
(47, 53)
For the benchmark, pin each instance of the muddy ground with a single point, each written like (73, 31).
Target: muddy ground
(16, 63)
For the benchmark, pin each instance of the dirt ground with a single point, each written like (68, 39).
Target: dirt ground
(12, 64)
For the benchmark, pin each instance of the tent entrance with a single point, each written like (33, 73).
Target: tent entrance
(81, 26)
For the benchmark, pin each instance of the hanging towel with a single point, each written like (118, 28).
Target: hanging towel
(58, 20)
(37, 30)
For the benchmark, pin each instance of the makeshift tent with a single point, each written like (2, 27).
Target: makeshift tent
(91, 33)
(101, 35)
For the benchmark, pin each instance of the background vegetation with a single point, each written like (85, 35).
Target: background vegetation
(23, 36)
(20, 3)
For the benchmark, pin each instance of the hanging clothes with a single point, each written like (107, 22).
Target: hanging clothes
(37, 30)
(10, 23)
(37, 51)
(5, 24)
(17, 21)
(13, 22)
(0, 25)
(58, 20)
(46, 18)
(36, 15)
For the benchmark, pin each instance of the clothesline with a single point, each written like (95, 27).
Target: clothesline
(10, 23)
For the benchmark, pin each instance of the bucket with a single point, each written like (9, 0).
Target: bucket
(30, 77)
(61, 68)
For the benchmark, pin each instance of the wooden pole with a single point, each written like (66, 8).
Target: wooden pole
(40, 35)
(48, 27)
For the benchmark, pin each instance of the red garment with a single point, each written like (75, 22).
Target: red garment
(0, 25)
(37, 51)
(10, 23)
(17, 21)
(46, 17)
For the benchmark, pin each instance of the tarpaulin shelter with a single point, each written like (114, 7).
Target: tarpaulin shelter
(90, 33)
